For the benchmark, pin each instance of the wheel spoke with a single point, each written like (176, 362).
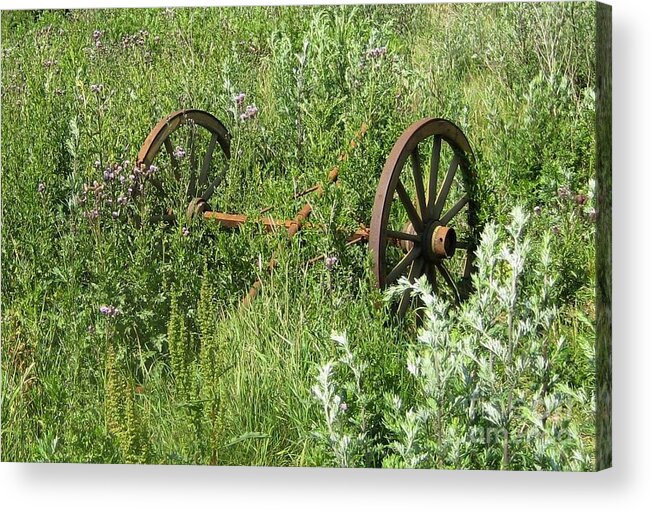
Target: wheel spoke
(402, 265)
(409, 206)
(448, 278)
(418, 182)
(414, 272)
(431, 277)
(216, 182)
(203, 176)
(463, 244)
(445, 219)
(433, 176)
(170, 150)
(192, 182)
(470, 259)
(158, 185)
(399, 235)
(445, 189)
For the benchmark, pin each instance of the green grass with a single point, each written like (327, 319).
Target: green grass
(230, 385)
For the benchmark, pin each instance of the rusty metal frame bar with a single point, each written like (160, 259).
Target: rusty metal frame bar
(295, 225)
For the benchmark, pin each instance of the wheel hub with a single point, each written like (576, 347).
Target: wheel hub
(438, 241)
(441, 242)
(196, 207)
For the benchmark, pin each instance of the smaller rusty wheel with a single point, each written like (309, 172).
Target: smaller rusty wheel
(418, 227)
(181, 147)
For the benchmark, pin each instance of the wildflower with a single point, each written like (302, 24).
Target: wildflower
(122, 200)
(239, 99)
(152, 169)
(330, 262)
(581, 199)
(179, 153)
(97, 87)
(556, 229)
(185, 231)
(41, 188)
(537, 210)
(97, 164)
(250, 112)
(115, 214)
(343, 406)
(109, 311)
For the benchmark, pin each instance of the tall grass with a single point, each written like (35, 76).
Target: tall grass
(173, 370)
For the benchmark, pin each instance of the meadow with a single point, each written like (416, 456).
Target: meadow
(124, 340)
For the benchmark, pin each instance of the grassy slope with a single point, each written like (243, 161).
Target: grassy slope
(525, 103)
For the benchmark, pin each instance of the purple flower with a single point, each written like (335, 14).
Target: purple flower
(343, 406)
(97, 164)
(580, 199)
(250, 112)
(122, 200)
(556, 229)
(41, 188)
(179, 153)
(185, 231)
(115, 214)
(109, 311)
(152, 169)
(330, 262)
(537, 210)
(97, 87)
(239, 99)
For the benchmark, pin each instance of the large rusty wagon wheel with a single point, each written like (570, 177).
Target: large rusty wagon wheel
(182, 148)
(424, 219)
